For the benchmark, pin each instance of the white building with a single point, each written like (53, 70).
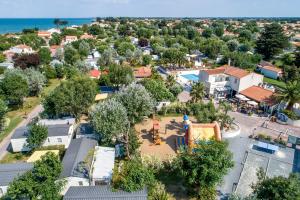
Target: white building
(226, 80)
(57, 135)
(77, 163)
(103, 165)
(19, 49)
(70, 39)
(8, 172)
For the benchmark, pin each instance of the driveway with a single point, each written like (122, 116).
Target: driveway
(6, 141)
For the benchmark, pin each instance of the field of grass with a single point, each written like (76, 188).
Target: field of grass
(17, 115)
(274, 82)
(14, 157)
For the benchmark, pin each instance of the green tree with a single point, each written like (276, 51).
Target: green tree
(232, 45)
(71, 55)
(278, 188)
(204, 113)
(290, 93)
(14, 88)
(55, 39)
(197, 92)
(120, 75)
(271, 41)
(72, 97)
(171, 81)
(37, 135)
(109, 119)
(107, 57)
(3, 111)
(123, 47)
(207, 33)
(146, 59)
(133, 176)
(158, 90)
(32, 40)
(84, 49)
(39, 183)
(137, 101)
(203, 169)
(36, 81)
(45, 55)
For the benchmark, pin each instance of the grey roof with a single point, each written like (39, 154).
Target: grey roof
(85, 129)
(75, 154)
(8, 172)
(102, 193)
(53, 130)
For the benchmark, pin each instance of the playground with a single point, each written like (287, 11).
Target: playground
(159, 136)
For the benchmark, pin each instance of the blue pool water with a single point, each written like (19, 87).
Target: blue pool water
(191, 77)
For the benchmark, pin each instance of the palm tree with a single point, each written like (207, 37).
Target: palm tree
(170, 81)
(197, 92)
(290, 94)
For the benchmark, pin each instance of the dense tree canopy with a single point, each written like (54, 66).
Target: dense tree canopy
(26, 60)
(14, 87)
(137, 101)
(158, 90)
(109, 119)
(45, 55)
(203, 169)
(37, 135)
(39, 183)
(271, 41)
(72, 97)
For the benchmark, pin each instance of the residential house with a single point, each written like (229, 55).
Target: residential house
(142, 72)
(54, 49)
(9, 172)
(22, 48)
(227, 80)
(85, 130)
(70, 39)
(86, 36)
(44, 34)
(59, 134)
(269, 70)
(262, 96)
(77, 163)
(103, 192)
(66, 120)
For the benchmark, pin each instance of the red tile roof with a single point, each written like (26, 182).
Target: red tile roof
(229, 70)
(236, 72)
(274, 69)
(95, 73)
(258, 94)
(142, 72)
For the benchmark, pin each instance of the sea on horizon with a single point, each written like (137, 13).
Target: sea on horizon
(16, 25)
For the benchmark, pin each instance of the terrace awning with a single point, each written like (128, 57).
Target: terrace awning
(241, 97)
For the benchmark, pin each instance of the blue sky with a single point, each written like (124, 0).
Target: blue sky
(149, 8)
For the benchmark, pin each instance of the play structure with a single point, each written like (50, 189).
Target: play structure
(197, 131)
(155, 132)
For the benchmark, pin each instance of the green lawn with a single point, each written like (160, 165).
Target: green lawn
(17, 115)
(274, 82)
(14, 157)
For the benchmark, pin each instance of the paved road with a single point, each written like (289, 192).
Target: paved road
(5, 143)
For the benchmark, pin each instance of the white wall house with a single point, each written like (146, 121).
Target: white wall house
(225, 78)
(86, 164)
(77, 163)
(21, 49)
(57, 135)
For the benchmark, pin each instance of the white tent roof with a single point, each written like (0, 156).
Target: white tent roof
(104, 161)
(241, 97)
(253, 103)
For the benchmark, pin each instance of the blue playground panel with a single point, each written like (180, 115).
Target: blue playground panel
(191, 77)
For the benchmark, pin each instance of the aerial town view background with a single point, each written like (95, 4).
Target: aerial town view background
(153, 105)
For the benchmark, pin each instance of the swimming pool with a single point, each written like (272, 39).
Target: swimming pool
(191, 77)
